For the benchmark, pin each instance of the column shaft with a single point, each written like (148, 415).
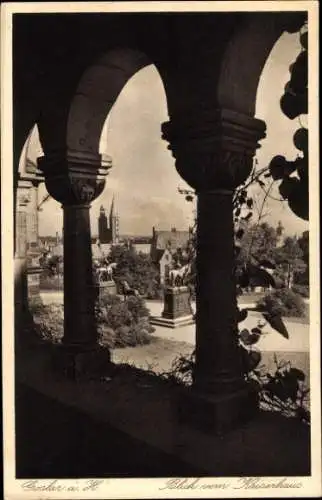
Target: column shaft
(218, 367)
(79, 301)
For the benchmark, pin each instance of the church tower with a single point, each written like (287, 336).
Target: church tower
(114, 224)
(103, 231)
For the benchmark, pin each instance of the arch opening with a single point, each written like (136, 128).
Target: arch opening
(96, 94)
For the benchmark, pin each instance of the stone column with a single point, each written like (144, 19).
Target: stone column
(215, 156)
(79, 299)
(21, 291)
(76, 180)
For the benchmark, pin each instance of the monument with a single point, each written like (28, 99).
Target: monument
(177, 310)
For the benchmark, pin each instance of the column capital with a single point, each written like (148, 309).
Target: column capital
(74, 177)
(214, 149)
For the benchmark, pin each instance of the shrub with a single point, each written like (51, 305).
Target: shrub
(49, 322)
(283, 302)
(128, 320)
(106, 336)
(119, 323)
(155, 291)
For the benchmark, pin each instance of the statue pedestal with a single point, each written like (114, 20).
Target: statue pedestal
(105, 288)
(177, 309)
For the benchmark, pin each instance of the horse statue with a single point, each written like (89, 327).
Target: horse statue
(177, 276)
(127, 291)
(105, 273)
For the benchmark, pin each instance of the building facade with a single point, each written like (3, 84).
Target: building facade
(164, 246)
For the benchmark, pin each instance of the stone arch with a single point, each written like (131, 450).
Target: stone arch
(96, 93)
(246, 55)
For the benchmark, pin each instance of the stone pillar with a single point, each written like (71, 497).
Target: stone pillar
(79, 300)
(21, 291)
(76, 180)
(215, 156)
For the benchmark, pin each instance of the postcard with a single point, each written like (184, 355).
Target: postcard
(160, 250)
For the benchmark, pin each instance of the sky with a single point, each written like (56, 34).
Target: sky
(144, 180)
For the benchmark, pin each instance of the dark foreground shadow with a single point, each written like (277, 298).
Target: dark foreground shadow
(55, 440)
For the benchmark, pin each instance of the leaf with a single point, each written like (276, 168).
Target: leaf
(276, 322)
(256, 331)
(248, 216)
(287, 186)
(249, 338)
(260, 277)
(296, 373)
(276, 167)
(267, 263)
(240, 233)
(243, 279)
(250, 202)
(250, 359)
(237, 249)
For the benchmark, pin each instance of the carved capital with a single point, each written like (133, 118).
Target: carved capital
(74, 178)
(214, 150)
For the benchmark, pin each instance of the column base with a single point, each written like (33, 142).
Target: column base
(81, 364)
(172, 323)
(216, 414)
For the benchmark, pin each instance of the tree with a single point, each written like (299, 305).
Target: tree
(303, 242)
(135, 268)
(258, 241)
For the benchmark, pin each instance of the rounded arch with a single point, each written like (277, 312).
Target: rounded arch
(246, 55)
(96, 93)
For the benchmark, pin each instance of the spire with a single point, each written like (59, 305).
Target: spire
(114, 222)
(112, 208)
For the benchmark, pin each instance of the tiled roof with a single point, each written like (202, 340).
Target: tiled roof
(171, 240)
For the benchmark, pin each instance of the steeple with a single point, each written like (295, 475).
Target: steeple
(114, 222)
(112, 209)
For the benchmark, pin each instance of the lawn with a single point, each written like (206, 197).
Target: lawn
(159, 355)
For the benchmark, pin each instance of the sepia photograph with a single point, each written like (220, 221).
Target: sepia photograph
(160, 250)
